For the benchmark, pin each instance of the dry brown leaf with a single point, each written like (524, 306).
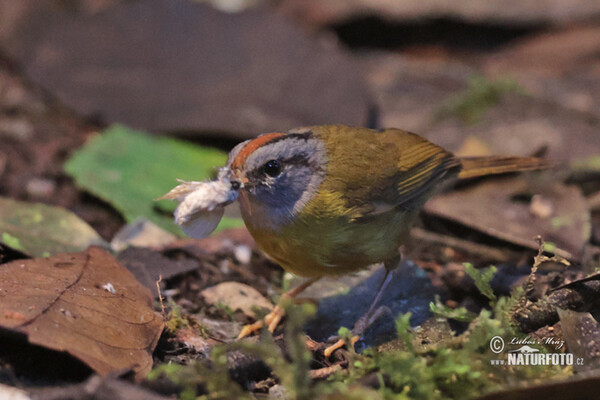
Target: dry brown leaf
(494, 207)
(148, 266)
(227, 96)
(86, 304)
(582, 334)
(236, 296)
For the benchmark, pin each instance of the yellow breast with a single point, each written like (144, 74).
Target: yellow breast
(327, 240)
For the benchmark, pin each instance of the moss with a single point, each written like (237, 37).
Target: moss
(175, 320)
(458, 314)
(482, 279)
(480, 95)
(429, 362)
(458, 367)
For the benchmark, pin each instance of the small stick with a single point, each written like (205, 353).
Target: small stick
(322, 373)
(160, 298)
(538, 260)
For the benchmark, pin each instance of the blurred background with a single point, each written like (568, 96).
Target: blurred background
(501, 77)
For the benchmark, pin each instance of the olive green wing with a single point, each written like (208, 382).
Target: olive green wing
(421, 166)
(381, 170)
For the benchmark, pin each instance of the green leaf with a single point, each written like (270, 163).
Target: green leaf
(129, 169)
(482, 279)
(40, 230)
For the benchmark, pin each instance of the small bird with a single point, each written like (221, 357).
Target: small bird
(333, 199)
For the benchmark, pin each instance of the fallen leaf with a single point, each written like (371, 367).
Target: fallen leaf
(192, 339)
(521, 125)
(411, 93)
(97, 388)
(140, 233)
(493, 208)
(129, 169)
(244, 66)
(62, 303)
(582, 334)
(219, 330)
(40, 230)
(559, 66)
(236, 296)
(149, 265)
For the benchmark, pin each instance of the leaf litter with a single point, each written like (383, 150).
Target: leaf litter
(506, 209)
(40, 230)
(86, 304)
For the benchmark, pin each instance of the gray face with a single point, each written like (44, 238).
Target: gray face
(283, 175)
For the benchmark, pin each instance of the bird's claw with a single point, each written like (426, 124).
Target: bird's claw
(247, 330)
(271, 320)
(357, 332)
(339, 344)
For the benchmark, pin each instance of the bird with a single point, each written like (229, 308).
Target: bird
(331, 200)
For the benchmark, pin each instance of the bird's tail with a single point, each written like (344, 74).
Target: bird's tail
(473, 167)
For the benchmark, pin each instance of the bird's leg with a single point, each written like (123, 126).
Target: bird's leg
(273, 318)
(372, 313)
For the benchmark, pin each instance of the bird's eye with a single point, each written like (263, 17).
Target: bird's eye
(272, 168)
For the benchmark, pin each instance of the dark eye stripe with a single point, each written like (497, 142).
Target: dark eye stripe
(259, 173)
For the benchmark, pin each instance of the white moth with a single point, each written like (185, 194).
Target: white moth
(201, 204)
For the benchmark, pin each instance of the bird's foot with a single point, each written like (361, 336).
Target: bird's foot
(271, 320)
(339, 344)
(357, 332)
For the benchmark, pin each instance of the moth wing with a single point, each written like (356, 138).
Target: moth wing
(202, 223)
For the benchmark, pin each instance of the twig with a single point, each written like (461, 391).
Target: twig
(538, 260)
(160, 298)
(322, 373)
